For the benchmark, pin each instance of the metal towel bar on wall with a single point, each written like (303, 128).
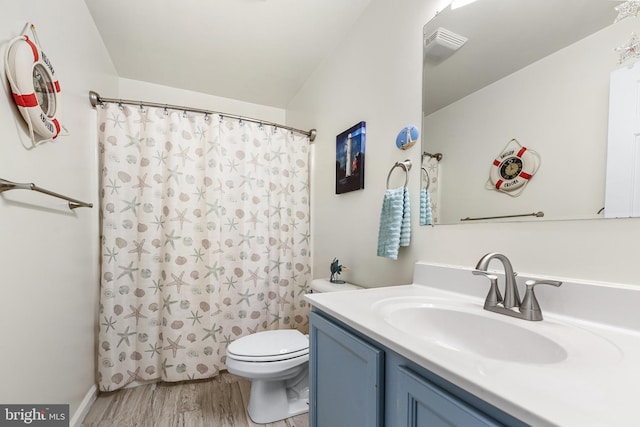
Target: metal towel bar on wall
(538, 214)
(73, 203)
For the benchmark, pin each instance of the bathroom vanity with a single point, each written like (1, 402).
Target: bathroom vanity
(419, 354)
(360, 382)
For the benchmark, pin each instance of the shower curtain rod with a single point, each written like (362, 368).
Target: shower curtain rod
(96, 99)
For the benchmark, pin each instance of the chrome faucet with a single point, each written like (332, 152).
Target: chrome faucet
(528, 308)
(511, 297)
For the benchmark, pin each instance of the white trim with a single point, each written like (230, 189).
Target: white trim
(83, 409)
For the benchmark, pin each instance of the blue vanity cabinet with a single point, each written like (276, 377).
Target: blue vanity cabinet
(346, 378)
(415, 396)
(422, 403)
(356, 381)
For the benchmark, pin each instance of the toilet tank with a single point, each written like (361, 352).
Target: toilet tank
(324, 285)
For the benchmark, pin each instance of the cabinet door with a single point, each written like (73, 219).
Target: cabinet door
(422, 403)
(346, 378)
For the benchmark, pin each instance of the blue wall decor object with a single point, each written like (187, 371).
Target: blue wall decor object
(407, 137)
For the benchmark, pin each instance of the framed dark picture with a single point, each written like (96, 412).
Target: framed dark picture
(350, 159)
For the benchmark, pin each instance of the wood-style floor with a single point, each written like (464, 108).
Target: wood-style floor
(217, 402)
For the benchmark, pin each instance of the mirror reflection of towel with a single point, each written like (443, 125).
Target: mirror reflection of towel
(395, 222)
(425, 207)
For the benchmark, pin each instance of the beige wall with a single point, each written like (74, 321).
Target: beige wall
(375, 75)
(49, 255)
(138, 90)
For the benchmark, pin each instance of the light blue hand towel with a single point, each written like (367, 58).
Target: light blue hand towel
(395, 222)
(425, 207)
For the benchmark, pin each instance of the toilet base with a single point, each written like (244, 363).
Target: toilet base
(271, 401)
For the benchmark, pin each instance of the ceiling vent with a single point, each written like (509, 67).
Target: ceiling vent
(442, 43)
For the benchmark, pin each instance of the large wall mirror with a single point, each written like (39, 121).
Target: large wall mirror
(532, 71)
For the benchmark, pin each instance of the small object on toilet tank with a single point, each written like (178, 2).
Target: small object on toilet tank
(336, 269)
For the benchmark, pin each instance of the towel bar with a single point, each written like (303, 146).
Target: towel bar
(536, 214)
(73, 203)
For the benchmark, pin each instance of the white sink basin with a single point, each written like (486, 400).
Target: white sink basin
(468, 328)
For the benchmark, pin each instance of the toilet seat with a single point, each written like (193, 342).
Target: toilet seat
(269, 346)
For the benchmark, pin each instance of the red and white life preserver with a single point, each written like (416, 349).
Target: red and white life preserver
(514, 167)
(36, 91)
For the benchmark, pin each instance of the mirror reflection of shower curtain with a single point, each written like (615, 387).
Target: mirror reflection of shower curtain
(205, 238)
(432, 166)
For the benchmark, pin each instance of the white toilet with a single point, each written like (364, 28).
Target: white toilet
(277, 364)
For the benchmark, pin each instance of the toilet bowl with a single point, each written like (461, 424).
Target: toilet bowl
(276, 362)
(277, 365)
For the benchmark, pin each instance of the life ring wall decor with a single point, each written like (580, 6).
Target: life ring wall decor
(35, 88)
(513, 168)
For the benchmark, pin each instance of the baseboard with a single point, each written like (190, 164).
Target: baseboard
(83, 409)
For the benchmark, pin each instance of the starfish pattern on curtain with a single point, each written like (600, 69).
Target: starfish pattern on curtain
(204, 237)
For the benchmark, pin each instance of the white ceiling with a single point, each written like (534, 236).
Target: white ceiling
(505, 36)
(259, 51)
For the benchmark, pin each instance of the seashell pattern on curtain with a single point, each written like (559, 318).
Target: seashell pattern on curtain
(204, 238)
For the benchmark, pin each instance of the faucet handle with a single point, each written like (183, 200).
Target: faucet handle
(529, 306)
(488, 273)
(481, 273)
(493, 297)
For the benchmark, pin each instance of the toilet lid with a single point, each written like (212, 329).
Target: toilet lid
(270, 345)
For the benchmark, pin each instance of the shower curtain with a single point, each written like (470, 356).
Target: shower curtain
(205, 238)
(432, 166)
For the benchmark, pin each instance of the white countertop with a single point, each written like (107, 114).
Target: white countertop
(597, 386)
